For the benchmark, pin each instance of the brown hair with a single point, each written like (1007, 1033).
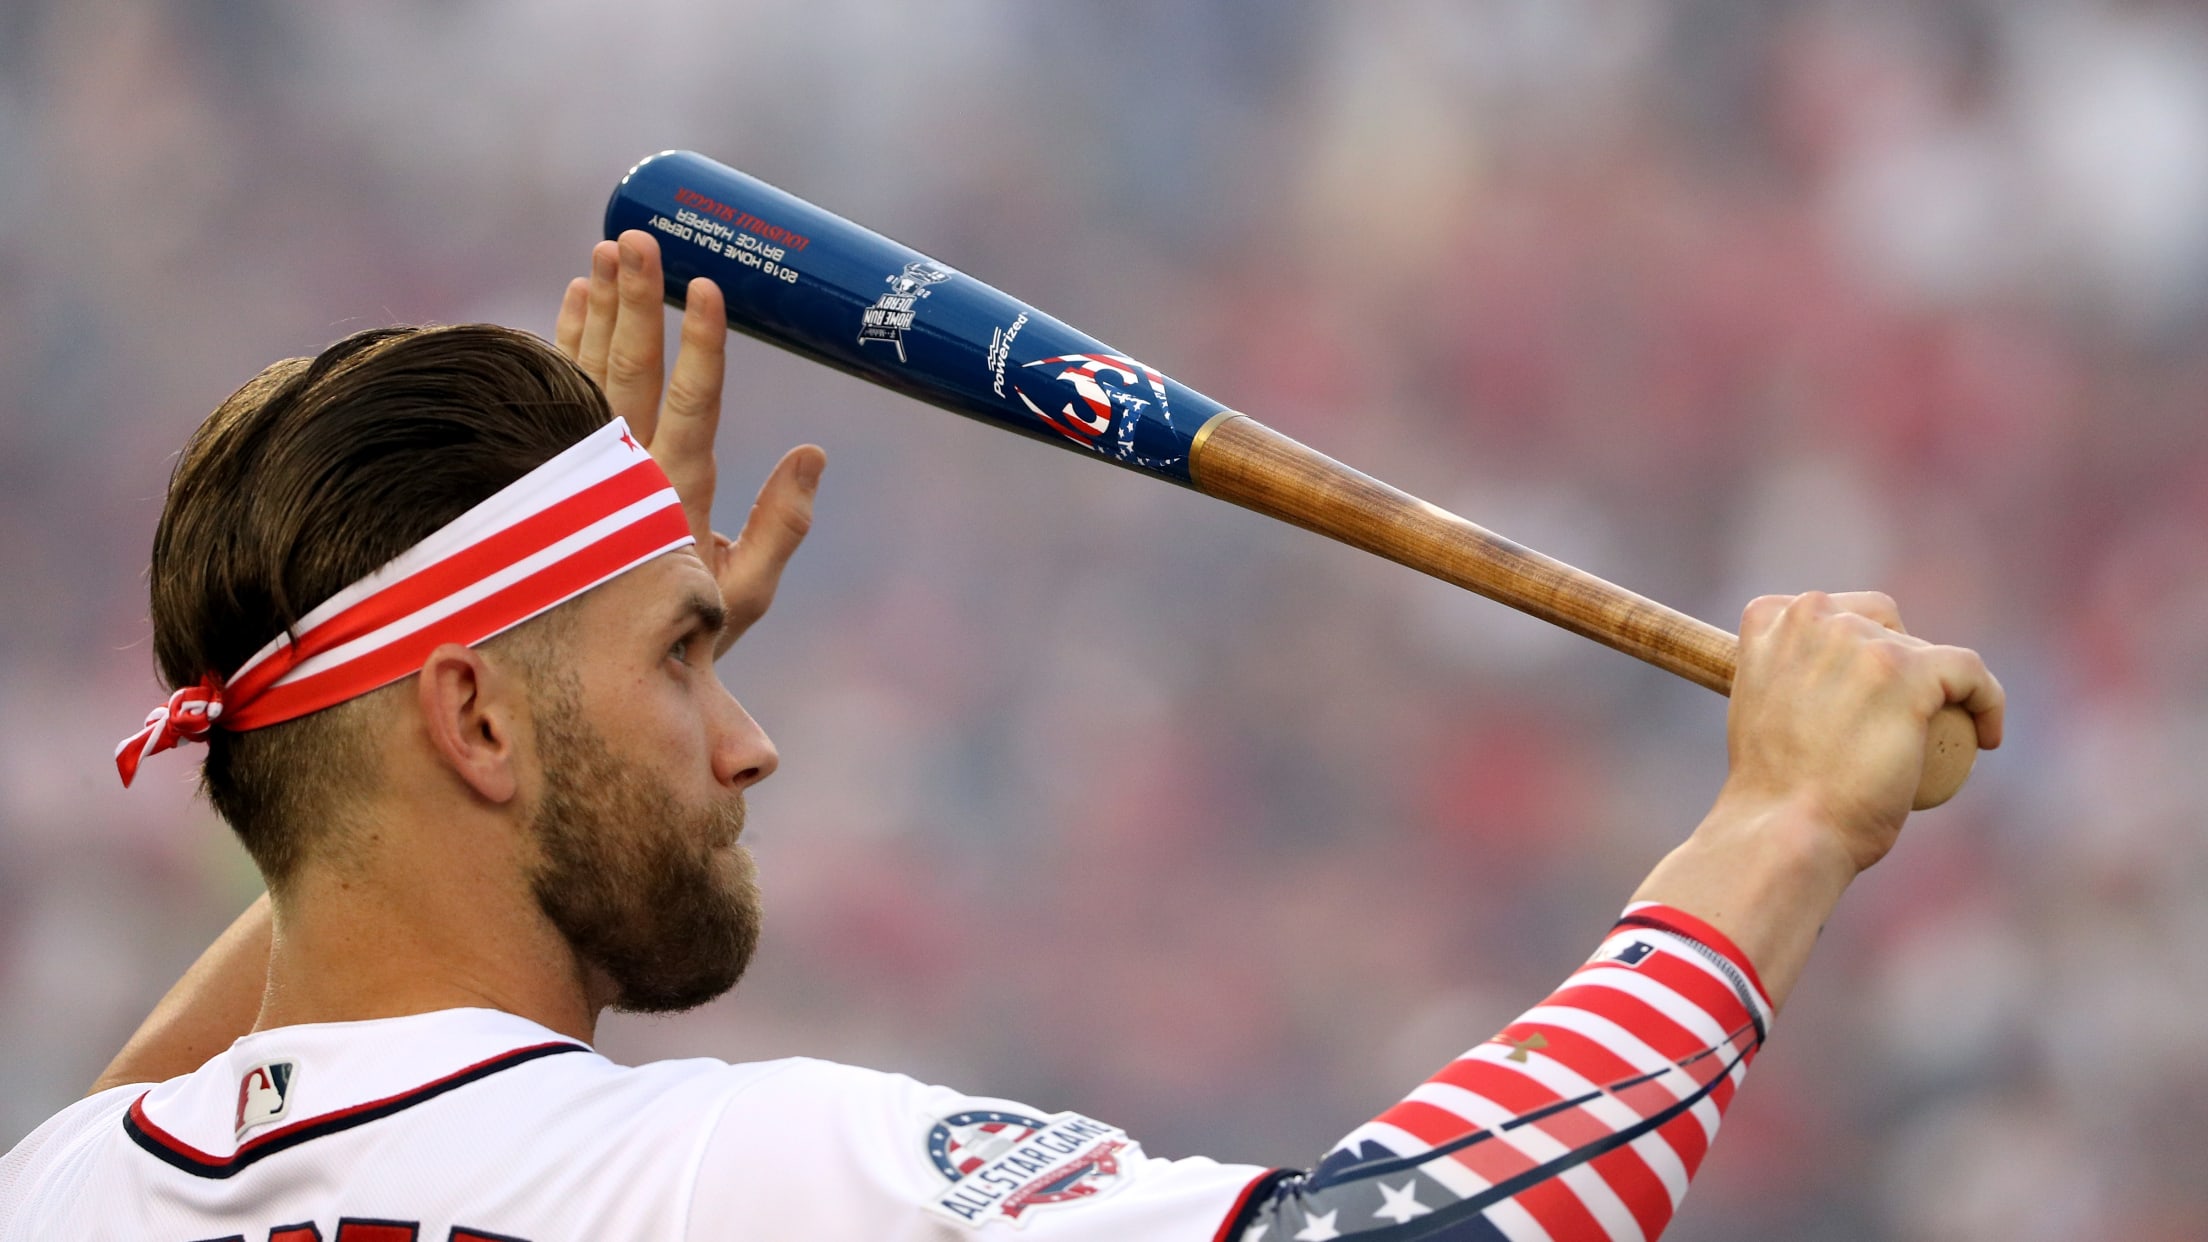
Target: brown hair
(309, 477)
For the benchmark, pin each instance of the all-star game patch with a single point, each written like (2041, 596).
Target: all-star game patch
(1003, 1165)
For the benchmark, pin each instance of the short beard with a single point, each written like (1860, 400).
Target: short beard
(663, 901)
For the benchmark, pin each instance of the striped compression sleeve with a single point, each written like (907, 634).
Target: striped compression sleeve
(1581, 1122)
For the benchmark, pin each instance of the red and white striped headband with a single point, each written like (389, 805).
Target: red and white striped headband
(597, 510)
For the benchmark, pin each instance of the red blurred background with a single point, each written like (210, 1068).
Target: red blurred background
(1109, 797)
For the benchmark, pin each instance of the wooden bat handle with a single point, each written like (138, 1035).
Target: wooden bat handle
(1240, 460)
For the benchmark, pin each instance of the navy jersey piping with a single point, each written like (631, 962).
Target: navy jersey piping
(174, 1153)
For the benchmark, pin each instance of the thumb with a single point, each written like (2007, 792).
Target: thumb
(750, 568)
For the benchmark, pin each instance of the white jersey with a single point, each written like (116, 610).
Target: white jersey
(471, 1125)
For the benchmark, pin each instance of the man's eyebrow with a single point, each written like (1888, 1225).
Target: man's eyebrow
(705, 614)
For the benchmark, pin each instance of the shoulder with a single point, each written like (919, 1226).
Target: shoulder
(680, 1105)
(693, 1084)
(68, 1127)
(768, 1103)
(57, 1152)
(828, 1150)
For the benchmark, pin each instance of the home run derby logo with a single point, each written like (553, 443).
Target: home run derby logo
(891, 315)
(1104, 385)
(1002, 1164)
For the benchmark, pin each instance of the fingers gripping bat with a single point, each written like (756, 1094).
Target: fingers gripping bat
(813, 282)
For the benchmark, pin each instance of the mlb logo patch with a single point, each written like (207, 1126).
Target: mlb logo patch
(264, 1094)
(1633, 954)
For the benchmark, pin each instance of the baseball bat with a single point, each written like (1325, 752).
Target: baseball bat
(813, 282)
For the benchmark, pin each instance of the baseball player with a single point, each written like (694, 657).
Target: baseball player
(444, 604)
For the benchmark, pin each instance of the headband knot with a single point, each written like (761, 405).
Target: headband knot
(594, 511)
(186, 717)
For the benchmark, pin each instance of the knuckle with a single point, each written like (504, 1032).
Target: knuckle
(1763, 608)
(691, 475)
(792, 519)
(797, 519)
(688, 395)
(1884, 663)
(626, 367)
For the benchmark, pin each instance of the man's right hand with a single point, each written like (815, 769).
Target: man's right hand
(1826, 736)
(1829, 708)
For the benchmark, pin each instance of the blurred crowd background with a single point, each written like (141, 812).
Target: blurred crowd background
(1104, 796)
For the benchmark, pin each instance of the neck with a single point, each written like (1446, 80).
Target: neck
(420, 927)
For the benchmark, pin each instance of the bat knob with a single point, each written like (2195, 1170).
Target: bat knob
(1950, 748)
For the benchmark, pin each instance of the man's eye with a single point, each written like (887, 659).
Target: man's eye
(680, 650)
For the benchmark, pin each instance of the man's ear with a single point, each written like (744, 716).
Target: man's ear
(473, 711)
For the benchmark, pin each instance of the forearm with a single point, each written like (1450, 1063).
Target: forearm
(215, 1002)
(1583, 1121)
(1766, 874)
(1586, 1118)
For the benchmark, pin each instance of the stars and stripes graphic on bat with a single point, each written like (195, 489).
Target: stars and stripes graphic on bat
(1585, 1119)
(1090, 415)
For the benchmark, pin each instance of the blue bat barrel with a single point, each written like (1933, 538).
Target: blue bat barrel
(811, 281)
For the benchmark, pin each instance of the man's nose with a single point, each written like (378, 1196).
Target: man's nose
(746, 755)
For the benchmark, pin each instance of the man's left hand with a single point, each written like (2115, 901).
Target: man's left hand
(613, 325)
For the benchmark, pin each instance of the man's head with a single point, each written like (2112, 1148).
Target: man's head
(318, 472)
(312, 475)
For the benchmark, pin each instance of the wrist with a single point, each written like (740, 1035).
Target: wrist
(1792, 837)
(1766, 873)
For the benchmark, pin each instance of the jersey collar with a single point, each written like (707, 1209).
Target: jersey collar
(275, 1089)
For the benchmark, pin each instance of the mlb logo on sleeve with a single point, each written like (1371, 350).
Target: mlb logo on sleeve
(1634, 954)
(264, 1094)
